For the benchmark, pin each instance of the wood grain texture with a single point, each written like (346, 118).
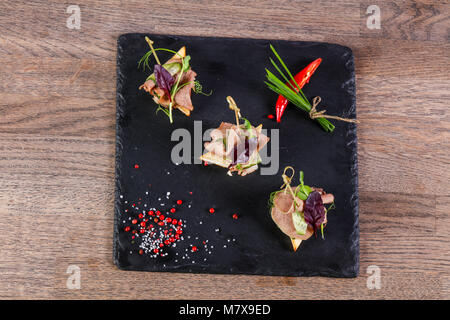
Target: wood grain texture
(57, 104)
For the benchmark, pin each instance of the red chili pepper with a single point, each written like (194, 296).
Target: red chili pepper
(301, 78)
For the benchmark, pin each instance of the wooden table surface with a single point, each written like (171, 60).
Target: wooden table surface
(57, 103)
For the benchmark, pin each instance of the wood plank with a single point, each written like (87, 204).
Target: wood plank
(414, 20)
(57, 90)
(59, 77)
(397, 215)
(23, 113)
(235, 19)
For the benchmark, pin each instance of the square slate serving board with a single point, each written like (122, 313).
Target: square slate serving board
(251, 244)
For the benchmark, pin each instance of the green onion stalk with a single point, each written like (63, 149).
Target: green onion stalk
(297, 98)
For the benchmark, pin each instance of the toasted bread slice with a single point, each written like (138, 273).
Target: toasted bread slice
(180, 54)
(184, 110)
(215, 159)
(295, 243)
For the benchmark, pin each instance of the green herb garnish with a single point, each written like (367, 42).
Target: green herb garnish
(297, 98)
(303, 191)
(271, 197)
(198, 88)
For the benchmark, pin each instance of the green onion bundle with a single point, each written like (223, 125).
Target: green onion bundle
(297, 98)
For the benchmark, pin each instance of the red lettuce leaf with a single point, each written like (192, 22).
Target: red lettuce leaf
(242, 154)
(164, 79)
(314, 211)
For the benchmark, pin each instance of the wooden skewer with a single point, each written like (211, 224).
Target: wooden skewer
(150, 43)
(237, 111)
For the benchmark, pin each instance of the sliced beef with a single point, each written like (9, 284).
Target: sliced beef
(282, 213)
(183, 96)
(148, 86)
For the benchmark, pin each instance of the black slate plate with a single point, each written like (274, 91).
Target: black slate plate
(251, 244)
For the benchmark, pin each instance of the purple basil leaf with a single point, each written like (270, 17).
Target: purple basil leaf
(242, 154)
(314, 211)
(164, 79)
